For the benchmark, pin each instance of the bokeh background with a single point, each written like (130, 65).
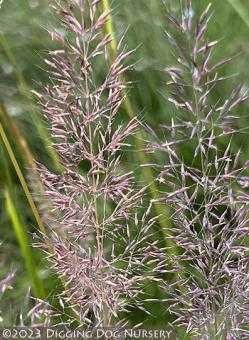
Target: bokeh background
(24, 42)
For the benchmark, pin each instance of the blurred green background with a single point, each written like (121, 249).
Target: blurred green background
(24, 43)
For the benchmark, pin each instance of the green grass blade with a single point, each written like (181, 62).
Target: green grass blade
(241, 10)
(109, 29)
(22, 180)
(24, 245)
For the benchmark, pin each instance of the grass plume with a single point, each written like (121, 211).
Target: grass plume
(98, 237)
(206, 190)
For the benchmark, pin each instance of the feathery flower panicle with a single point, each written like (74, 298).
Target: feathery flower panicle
(95, 239)
(205, 189)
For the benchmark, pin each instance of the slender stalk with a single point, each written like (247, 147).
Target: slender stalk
(161, 211)
(109, 29)
(22, 180)
(99, 240)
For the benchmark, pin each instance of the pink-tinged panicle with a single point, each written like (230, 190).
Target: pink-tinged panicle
(96, 242)
(207, 189)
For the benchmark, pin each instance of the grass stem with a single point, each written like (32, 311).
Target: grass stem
(161, 210)
(22, 180)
